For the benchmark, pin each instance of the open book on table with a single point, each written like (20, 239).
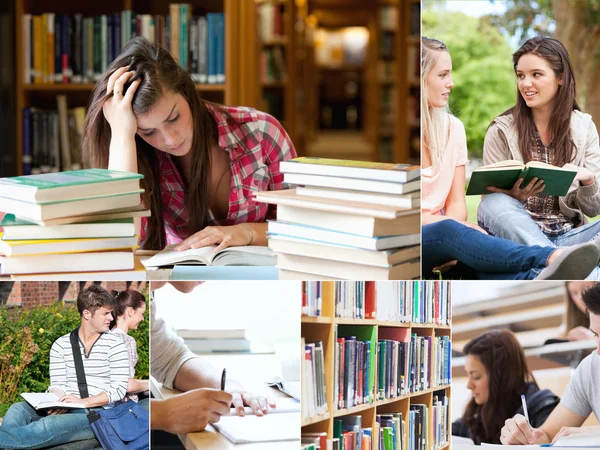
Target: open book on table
(252, 255)
(279, 424)
(504, 175)
(48, 400)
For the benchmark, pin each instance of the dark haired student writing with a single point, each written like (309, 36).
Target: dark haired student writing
(202, 162)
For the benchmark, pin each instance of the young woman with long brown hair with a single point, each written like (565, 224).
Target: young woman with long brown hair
(446, 233)
(545, 125)
(497, 376)
(202, 162)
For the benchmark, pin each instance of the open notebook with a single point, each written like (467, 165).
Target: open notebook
(280, 424)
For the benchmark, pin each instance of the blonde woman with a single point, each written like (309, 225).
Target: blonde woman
(447, 236)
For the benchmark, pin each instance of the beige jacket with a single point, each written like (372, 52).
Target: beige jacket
(501, 143)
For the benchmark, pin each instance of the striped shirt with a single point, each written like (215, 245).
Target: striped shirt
(106, 367)
(256, 143)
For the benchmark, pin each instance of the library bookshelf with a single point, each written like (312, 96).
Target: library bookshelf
(395, 46)
(324, 329)
(44, 95)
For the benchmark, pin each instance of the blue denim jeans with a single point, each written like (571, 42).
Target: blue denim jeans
(506, 217)
(489, 257)
(23, 427)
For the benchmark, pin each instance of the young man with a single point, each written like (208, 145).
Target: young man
(106, 366)
(581, 398)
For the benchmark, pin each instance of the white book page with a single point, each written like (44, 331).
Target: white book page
(270, 427)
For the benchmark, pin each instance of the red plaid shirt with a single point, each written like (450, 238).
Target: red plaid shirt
(256, 143)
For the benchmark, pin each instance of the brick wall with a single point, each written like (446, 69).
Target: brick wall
(30, 294)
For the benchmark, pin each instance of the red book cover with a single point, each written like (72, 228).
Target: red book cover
(370, 300)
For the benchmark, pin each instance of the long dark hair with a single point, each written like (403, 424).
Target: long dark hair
(123, 300)
(504, 360)
(557, 57)
(159, 72)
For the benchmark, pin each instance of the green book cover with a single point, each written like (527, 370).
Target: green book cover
(70, 178)
(556, 180)
(337, 429)
(388, 438)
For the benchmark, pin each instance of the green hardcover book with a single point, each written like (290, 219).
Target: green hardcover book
(505, 174)
(183, 47)
(388, 438)
(64, 186)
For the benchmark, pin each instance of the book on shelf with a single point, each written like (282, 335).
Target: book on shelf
(504, 174)
(71, 185)
(350, 240)
(376, 171)
(289, 197)
(54, 210)
(40, 401)
(67, 262)
(406, 201)
(314, 440)
(406, 222)
(252, 255)
(354, 365)
(348, 270)
(312, 298)
(48, 246)
(270, 22)
(384, 187)
(313, 393)
(18, 229)
(332, 252)
(349, 299)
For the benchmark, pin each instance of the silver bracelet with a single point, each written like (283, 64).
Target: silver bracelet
(249, 231)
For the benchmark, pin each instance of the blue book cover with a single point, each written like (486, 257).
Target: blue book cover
(212, 48)
(27, 144)
(220, 48)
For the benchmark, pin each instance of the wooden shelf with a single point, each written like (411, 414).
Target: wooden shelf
(414, 40)
(308, 319)
(280, 40)
(274, 84)
(316, 419)
(58, 87)
(354, 409)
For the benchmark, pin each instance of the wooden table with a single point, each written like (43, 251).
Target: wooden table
(252, 371)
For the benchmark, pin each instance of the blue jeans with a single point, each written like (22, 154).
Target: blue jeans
(23, 427)
(489, 257)
(506, 217)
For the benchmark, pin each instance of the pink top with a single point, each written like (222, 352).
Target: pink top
(436, 188)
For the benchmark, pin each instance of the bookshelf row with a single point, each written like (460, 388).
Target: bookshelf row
(377, 302)
(60, 48)
(376, 384)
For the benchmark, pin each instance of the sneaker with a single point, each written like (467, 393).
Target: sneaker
(574, 263)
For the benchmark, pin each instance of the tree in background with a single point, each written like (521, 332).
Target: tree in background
(576, 23)
(485, 84)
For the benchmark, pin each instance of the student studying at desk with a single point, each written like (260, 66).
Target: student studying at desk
(176, 367)
(202, 162)
(581, 398)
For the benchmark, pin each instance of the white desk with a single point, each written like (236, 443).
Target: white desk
(251, 371)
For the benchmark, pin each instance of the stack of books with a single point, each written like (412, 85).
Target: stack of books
(77, 221)
(346, 220)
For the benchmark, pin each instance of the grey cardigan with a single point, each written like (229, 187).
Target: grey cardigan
(501, 143)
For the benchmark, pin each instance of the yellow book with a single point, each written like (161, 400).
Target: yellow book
(44, 48)
(47, 246)
(51, 67)
(37, 49)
